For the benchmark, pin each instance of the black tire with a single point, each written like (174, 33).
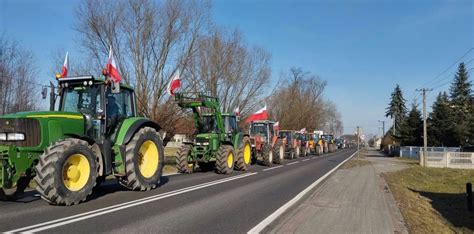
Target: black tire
(267, 155)
(278, 152)
(149, 177)
(182, 159)
(224, 164)
(50, 179)
(12, 194)
(254, 155)
(243, 163)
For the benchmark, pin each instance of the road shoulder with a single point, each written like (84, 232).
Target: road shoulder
(355, 199)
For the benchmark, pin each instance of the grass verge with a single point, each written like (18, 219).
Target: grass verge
(432, 200)
(357, 161)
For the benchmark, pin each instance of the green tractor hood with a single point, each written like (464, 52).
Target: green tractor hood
(41, 128)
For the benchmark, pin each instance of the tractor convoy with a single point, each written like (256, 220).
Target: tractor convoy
(95, 133)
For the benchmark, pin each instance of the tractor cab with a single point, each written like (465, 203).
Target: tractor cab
(286, 135)
(262, 128)
(103, 109)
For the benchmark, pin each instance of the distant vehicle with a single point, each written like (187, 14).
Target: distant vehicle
(265, 143)
(290, 144)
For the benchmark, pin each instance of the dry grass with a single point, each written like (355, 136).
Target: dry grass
(432, 200)
(358, 161)
(170, 151)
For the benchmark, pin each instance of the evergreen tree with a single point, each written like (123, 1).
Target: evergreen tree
(396, 108)
(440, 123)
(461, 96)
(412, 128)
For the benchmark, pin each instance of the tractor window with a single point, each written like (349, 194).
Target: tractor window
(231, 124)
(208, 124)
(83, 99)
(120, 104)
(259, 128)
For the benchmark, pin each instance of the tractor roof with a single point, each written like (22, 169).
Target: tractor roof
(263, 121)
(81, 79)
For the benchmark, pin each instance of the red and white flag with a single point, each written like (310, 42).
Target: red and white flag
(261, 114)
(112, 70)
(303, 130)
(276, 126)
(237, 111)
(175, 84)
(65, 65)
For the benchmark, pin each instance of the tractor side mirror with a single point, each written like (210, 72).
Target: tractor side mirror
(44, 92)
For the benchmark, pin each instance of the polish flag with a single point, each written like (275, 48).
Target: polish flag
(174, 84)
(276, 126)
(65, 65)
(237, 111)
(303, 130)
(261, 114)
(112, 70)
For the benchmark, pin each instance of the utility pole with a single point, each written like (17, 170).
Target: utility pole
(425, 129)
(383, 127)
(358, 137)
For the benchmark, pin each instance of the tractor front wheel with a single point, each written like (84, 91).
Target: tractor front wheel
(66, 173)
(182, 164)
(143, 160)
(225, 160)
(244, 156)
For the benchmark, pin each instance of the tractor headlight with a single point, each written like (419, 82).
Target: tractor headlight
(3, 136)
(15, 137)
(205, 143)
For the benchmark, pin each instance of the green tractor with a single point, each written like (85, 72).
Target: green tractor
(95, 133)
(218, 144)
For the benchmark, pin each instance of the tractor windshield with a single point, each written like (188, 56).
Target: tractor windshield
(258, 129)
(286, 135)
(83, 99)
(208, 124)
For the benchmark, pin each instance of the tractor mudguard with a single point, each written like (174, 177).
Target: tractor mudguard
(130, 126)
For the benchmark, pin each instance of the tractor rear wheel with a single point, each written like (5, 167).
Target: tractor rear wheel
(66, 172)
(278, 152)
(297, 152)
(182, 164)
(225, 159)
(267, 155)
(143, 160)
(244, 155)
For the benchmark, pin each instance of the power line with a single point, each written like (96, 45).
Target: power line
(451, 74)
(445, 70)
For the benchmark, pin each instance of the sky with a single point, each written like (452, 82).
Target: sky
(362, 48)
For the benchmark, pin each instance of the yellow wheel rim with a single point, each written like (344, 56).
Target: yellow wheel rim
(230, 160)
(148, 159)
(247, 154)
(76, 172)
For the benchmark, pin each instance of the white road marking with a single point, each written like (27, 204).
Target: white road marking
(90, 214)
(271, 168)
(291, 163)
(170, 174)
(304, 160)
(264, 223)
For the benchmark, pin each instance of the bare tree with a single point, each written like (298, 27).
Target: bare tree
(17, 78)
(151, 42)
(225, 67)
(297, 103)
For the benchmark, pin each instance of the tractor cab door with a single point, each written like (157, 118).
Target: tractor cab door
(118, 107)
(231, 127)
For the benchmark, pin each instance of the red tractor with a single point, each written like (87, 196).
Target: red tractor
(291, 145)
(265, 143)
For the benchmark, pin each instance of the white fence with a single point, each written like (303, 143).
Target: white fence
(414, 151)
(460, 160)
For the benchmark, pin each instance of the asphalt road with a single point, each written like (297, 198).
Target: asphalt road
(203, 202)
